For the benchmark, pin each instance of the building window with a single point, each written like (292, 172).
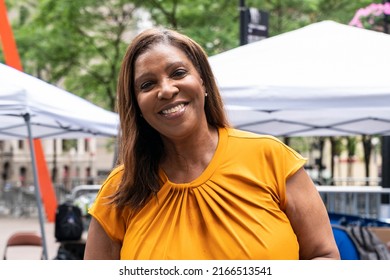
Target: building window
(87, 143)
(22, 176)
(21, 144)
(68, 144)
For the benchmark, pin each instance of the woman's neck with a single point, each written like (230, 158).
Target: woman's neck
(184, 161)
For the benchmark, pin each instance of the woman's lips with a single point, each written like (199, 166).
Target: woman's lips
(173, 110)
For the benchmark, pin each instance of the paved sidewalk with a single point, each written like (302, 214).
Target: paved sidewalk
(10, 225)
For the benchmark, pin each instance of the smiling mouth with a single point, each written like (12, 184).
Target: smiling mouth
(173, 110)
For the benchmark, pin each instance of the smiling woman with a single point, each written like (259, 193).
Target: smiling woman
(187, 185)
(169, 91)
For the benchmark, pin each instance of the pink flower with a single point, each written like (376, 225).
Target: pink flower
(369, 14)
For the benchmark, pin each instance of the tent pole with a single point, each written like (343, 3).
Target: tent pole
(36, 185)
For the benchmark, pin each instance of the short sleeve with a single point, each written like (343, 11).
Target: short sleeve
(286, 162)
(293, 161)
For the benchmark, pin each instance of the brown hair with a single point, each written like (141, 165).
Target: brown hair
(140, 145)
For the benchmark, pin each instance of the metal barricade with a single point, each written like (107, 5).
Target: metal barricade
(364, 201)
(18, 201)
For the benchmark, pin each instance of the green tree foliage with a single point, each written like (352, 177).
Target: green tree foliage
(78, 44)
(75, 44)
(213, 24)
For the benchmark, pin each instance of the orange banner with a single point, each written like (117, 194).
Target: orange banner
(10, 51)
(48, 194)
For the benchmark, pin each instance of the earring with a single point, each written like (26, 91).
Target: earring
(205, 94)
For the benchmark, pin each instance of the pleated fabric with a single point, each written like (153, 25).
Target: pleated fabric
(233, 210)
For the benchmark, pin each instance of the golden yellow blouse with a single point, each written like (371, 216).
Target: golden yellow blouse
(234, 210)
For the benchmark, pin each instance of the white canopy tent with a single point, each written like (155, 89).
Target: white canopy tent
(323, 79)
(54, 113)
(31, 108)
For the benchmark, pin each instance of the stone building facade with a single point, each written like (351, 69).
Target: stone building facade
(70, 162)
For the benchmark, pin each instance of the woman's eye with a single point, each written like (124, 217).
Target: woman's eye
(179, 73)
(146, 85)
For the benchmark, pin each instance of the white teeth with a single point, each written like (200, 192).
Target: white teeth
(173, 110)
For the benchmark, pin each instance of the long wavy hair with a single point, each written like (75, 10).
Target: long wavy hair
(140, 146)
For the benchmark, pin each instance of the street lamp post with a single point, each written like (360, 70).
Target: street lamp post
(243, 23)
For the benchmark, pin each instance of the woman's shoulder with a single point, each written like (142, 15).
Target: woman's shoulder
(117, 171)
(242, 134)
(114, 177)
(258, 142)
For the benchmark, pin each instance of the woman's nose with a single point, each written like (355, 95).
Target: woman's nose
(167, 90)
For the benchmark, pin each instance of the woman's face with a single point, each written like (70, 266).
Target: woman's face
(169, 92)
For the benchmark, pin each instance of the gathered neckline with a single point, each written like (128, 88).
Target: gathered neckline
(207, 173)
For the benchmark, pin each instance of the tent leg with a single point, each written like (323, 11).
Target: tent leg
(36, 187)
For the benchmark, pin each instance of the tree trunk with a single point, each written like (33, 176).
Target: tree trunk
(321, 142)
(333, 155)
(366, 139)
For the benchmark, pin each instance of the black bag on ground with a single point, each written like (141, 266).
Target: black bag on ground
(68, 223)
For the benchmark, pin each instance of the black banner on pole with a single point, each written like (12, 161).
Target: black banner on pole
(257, 25)
(254, 25)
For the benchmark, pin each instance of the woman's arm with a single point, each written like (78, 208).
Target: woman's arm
(99, 245)
(309, 219)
